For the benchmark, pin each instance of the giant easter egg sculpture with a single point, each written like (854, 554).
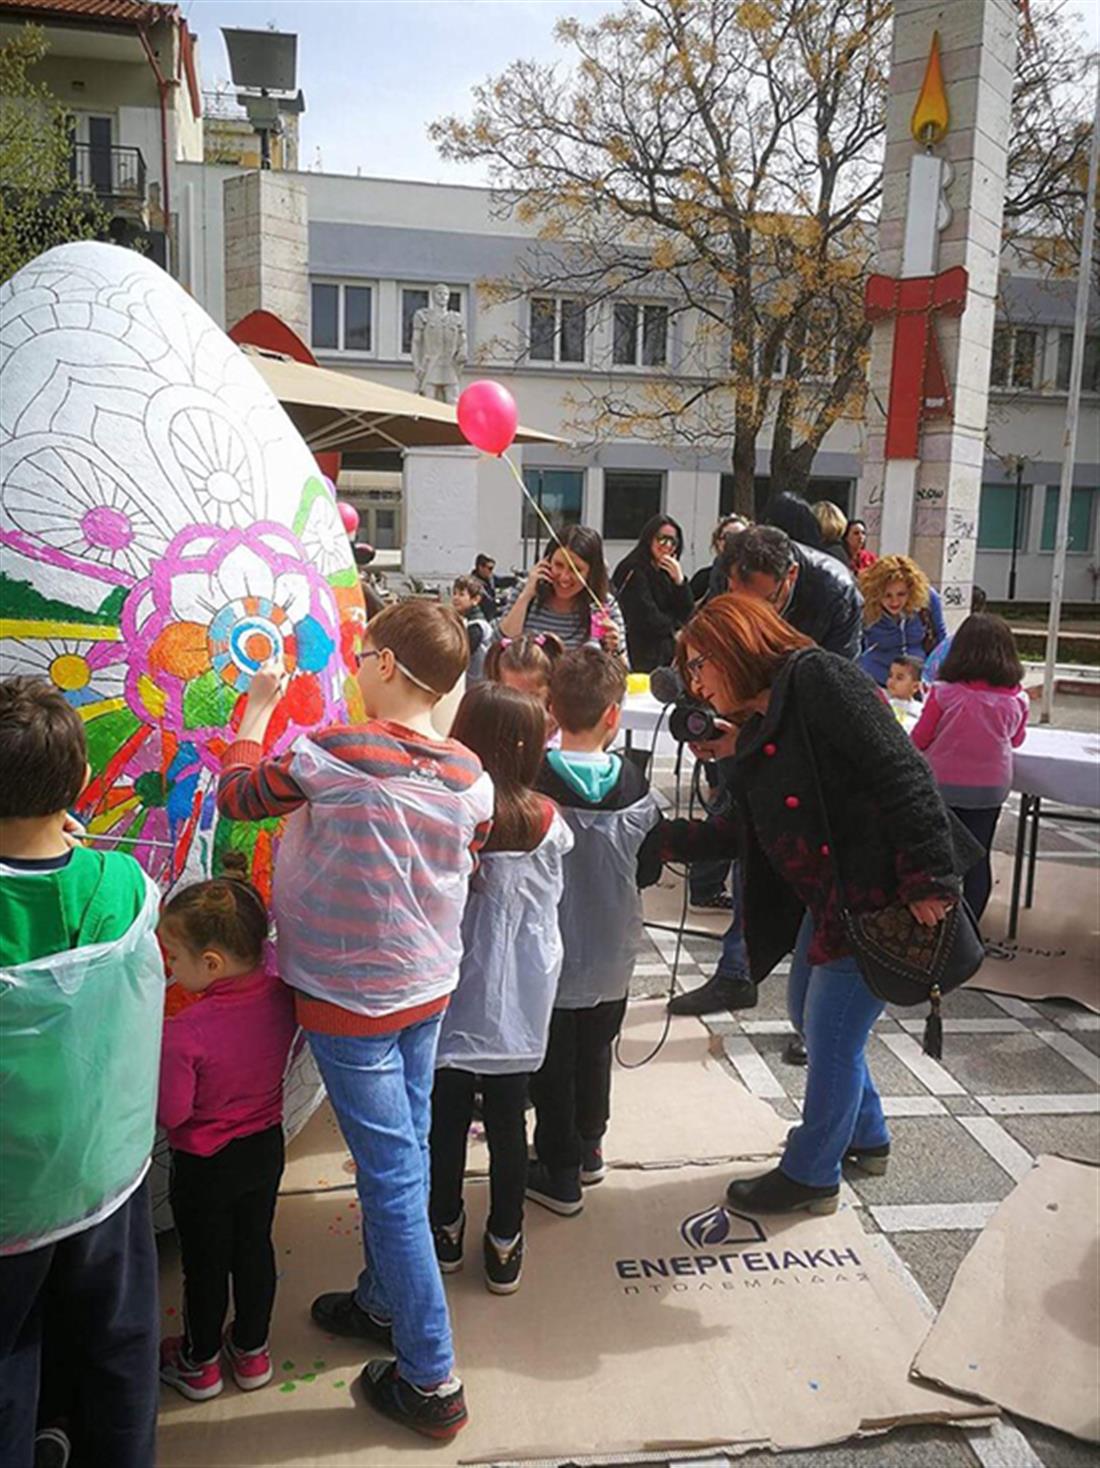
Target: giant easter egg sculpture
(163, 531)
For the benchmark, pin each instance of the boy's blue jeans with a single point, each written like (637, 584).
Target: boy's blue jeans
(380, 1087)
(831, 1006)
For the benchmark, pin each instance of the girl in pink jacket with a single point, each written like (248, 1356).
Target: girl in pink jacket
(973, 719)
(221, 1103)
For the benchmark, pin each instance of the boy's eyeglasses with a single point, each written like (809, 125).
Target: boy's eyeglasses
(361, 657)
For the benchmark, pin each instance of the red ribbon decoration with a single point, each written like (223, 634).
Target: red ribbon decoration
(918, 383)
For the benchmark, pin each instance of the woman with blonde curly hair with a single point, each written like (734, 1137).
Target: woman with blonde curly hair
(902, 615)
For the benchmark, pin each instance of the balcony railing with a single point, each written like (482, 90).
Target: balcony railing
(112, 173)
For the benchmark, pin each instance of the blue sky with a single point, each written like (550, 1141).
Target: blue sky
(375, 73)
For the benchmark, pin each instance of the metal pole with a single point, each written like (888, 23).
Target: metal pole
(1015, 529)
(1073, 408)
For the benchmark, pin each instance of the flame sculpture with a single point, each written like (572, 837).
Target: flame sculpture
(931, 115)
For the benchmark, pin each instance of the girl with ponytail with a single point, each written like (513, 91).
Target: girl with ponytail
(221, 1102)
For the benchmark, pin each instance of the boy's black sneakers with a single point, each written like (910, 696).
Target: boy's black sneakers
(558, 1189)
(340, 1315)
(593, 1167)
(448, 1243)
(503, 1264)
(439, 1414)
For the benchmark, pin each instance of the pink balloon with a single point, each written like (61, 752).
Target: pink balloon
(349, 515)
(487, 416)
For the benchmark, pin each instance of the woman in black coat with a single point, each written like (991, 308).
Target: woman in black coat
(781, 697)
(653, 594)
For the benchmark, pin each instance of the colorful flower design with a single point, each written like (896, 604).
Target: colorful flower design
(260, 599)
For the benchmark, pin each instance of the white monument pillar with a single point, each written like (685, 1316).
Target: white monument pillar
(942, 208)
(440, 508)
(267, 248)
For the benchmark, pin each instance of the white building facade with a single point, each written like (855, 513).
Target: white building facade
(375, 248)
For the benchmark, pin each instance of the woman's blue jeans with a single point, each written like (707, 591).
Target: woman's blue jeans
(833, 1009)
(380, 1087)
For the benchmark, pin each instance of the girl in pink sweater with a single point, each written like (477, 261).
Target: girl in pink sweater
(221, 1103)
(973, 719)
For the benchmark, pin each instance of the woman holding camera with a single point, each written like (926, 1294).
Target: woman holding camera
(781, 701)
(566, 593)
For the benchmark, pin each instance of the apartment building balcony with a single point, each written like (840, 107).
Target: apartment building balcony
(116, 175)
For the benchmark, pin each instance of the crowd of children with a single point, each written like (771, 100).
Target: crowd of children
(457, 920)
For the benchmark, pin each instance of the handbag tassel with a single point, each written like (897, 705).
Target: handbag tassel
(933, 1025)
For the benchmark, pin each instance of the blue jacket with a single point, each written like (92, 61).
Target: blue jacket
(901, 637)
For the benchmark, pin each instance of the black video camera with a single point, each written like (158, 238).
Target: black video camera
(693, 723)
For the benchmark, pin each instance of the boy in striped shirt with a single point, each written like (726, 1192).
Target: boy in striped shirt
(385, 819)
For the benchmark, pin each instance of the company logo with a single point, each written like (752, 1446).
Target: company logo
(717, 1226)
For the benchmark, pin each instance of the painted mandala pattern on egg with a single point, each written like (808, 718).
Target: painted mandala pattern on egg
(164, 531)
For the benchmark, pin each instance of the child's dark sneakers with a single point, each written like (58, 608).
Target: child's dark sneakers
(503, 1264)
(439, 1413)
(251, 1369)
(339, 1314)
(871, 1160)
(593, 1167)
(198, 1381)
(448, 1239)
(558, 1189)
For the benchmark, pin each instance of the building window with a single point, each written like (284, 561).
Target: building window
(559, 493)
(1014, 353)
(1000, 517)
(1090, 377)
(630, 498)
(640, 335)
(1081, 502)
(413, 299)
(558, 330)
(761, 489)
(341, 317)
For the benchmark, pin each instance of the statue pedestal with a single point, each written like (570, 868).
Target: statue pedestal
(440, 503)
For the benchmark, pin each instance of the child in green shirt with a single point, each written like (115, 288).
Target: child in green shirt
(81, 999)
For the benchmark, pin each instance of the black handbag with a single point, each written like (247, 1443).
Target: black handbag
(902, 961)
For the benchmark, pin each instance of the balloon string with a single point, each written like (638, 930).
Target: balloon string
(552, 533)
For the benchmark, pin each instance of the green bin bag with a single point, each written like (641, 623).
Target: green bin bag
(79, 1062)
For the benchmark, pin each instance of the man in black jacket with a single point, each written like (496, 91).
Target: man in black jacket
(809, 589)
(817, 595)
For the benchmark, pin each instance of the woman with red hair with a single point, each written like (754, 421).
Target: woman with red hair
(785, 703)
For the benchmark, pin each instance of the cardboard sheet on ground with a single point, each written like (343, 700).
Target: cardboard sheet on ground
(1021, 1324)
(683, 1106)
(1057, 949)
(664, 904)
(654, 1319)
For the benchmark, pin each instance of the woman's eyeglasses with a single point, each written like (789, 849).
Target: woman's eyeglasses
(669, 540)
(695, 665)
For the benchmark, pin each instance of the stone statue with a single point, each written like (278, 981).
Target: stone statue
(438, 347)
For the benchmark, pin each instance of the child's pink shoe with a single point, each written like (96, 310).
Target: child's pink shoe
(251, 1369)
(198, 1381)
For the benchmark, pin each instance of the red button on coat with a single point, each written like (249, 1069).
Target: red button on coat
(825, 849)
(769, 750)
(792, 802)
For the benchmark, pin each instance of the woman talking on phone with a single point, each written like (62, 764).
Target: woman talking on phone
(654, 594)
(811, 756)
(566, 593)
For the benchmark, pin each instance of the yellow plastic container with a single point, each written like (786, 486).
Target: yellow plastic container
(637, 683)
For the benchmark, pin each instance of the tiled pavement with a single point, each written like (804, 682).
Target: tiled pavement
(1016, 1080)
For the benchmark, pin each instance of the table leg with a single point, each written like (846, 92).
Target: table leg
(1018, 866)
(1036, 815)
